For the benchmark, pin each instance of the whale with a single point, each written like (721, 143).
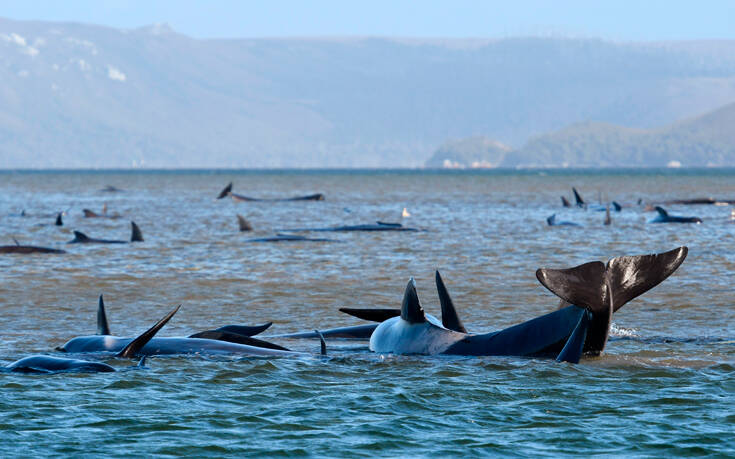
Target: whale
(565, 202)
(241, 334)
(579, 202)
(377, 226)
(227, 191)
(27, 249)
(107, 344)
(551, 221)
(243, 224)
(664, 217)
(289, 238)
(52, 364)
(81, 238)
(591, 293)
(91, 214)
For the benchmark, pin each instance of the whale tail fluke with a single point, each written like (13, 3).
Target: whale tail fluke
(603, 289)
(137, 235)
(243, 223)
(103, 328)
(59, 221)
(227, 190)
(578, 199)
(450, 319)
(411, 310)
(79, 237)
(132, 349)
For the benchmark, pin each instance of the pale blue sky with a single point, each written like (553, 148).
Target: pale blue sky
(616, 20)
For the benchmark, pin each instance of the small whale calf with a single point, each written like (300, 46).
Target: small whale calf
(664, 217)
(81, 238)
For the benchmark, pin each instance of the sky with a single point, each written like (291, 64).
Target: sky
(625, 20)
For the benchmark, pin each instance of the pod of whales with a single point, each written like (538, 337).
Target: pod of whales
(51, 364)
(664, 217)
(227, 191)
(81, 238)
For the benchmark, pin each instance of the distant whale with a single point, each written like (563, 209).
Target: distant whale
(593, 290)
(289, 238)
(378, 226)
(243, 224)
(52, 364)
(701, 201)
(111, 189)
(27, 249)
(565, 202)
(664, 217)
(91, 214)
(227, 191)
(581, 203)
(551, 221)
(81, 238)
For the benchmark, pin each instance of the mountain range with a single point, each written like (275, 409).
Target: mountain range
(85, 96)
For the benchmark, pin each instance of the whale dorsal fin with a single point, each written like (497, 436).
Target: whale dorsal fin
(89, 214)
(617, 206)
(137, 235)
(373, 315)
(103, 328)
(565, 202)
(551, 220)
(80, 237)
(578, 198)
(450, 319)
(227, 190)
(662, 212)
(59, 222)
(138, 343)
(411, 310)
(244, 224)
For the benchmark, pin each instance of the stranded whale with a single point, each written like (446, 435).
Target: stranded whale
(664, 217)
(593, 291)
(52, 364)
(81, 238)
(27, 249)
(378, 226)
(227, 191)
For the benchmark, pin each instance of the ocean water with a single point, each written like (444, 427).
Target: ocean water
(665, 385)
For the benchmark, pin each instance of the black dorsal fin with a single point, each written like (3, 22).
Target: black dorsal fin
(89, 214)
(661, 211)
(59, 221)
(103, 328)
(227, 190)
(565, 202)
(617, 206)
(138, 343)
(323, 344)
(137, 235)
(373, 315)
(551, 220)
(450, 319)
(411, 310)
(244, 224)
(578, 198)
(80, 237)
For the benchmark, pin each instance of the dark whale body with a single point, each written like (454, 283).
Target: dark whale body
(378, 226)
(27, 249)
(81, 238)
(227, 191)
(664, 217)
(551, 221)
(289, 238)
